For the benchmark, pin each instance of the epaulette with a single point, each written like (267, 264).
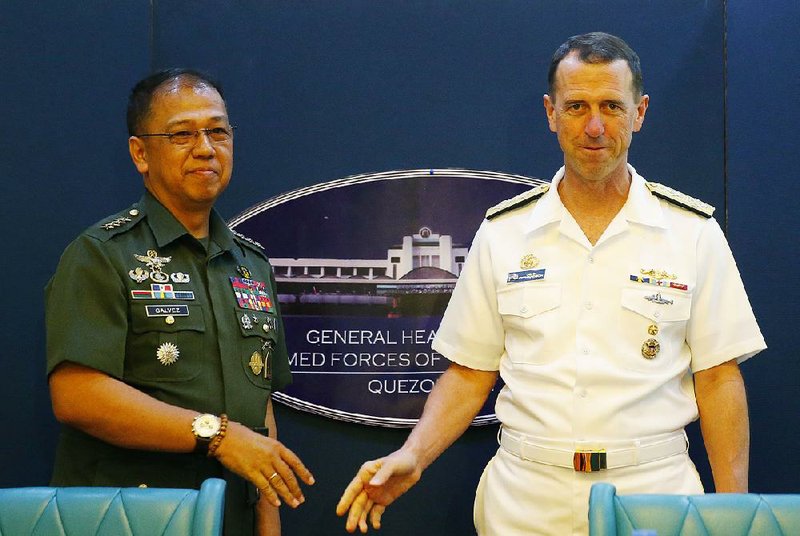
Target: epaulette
(117, 223)
(682, 200)
(248, 240)
(517, 201)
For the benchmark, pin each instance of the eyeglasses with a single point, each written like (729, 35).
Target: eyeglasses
(186, 138)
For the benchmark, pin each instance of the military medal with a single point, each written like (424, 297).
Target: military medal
(155, 264)
(656, 298)
(650, 348)
(528, 262)
(244, 272)
(251, 294)
(652, 330)
(167, 354)
(247, 323)
(658, 274)
(179, 277)
(270, 323)
(139, 274)
(256, 363)
(162, 292)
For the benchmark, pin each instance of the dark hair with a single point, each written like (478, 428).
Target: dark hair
(598, 47)
(141, 97)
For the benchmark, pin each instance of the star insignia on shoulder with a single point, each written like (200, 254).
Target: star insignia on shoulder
(120, 220)
(517, 201)
(680, 199)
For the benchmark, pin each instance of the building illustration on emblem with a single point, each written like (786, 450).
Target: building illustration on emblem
(415, 278)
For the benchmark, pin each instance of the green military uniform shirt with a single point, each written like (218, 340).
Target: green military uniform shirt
(191, 324)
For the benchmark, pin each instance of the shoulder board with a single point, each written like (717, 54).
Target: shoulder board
(682, 200)
(248, 240)
(116, 224)
(517, 201)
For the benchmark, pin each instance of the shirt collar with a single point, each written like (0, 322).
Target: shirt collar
(166, 228)
(640, 207)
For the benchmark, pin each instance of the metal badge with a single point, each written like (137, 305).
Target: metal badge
(658, 274)
(139, 274)
(656, 298)
(167, 354)
(652, 330)
(650, 348)
(256, 363)
(155, 264)
(247, 322)
(113, 224)
(528, 262)
(179, 277)
(244, 272)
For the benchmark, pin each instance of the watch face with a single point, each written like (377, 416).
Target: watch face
(206, 425)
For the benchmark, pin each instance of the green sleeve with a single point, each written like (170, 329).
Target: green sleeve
(86, 310)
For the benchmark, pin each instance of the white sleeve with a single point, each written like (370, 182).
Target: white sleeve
(722, 325)
(471, 332)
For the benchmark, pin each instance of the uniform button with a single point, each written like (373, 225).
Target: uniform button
(582, 393)
(265, 327)
(585, 351)
(134, 212)
(657, 314)
(170, 320)
(591, 260)
(588, 305)
(523, 309)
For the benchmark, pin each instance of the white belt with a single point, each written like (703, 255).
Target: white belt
(570, 455)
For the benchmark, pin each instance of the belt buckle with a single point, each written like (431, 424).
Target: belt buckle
(588, 461)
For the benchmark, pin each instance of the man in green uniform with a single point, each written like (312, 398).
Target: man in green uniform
(164, 338)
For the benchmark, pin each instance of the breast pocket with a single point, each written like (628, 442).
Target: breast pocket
(257, 345)
(653, 326)
(529, 312)
(166, 348)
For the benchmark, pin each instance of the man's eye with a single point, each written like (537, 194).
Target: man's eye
(218, 131)
(182, 134)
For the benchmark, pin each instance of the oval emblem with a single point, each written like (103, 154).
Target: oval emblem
(365, 266)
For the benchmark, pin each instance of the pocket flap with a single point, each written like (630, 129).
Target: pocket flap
(527, 300)
(657, 304)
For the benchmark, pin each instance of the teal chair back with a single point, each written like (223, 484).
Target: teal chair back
(84, 511)
(716, 514)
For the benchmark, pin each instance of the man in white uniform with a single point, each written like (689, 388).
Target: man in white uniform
(614, 312)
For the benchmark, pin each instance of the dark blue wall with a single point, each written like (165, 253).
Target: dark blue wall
(324, 89)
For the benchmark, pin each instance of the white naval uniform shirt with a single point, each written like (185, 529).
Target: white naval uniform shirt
(569, 346)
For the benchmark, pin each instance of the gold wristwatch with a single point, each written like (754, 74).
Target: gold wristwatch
(205, 428)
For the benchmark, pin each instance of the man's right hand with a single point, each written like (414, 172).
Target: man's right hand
(376, 485)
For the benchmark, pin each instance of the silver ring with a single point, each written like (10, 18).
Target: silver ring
(273, 475)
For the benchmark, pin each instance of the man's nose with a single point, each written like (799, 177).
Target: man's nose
(202, 143)
(595, 127)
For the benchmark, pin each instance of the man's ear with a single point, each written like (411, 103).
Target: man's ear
(550, 110)
(138, 154)
(641, 109)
